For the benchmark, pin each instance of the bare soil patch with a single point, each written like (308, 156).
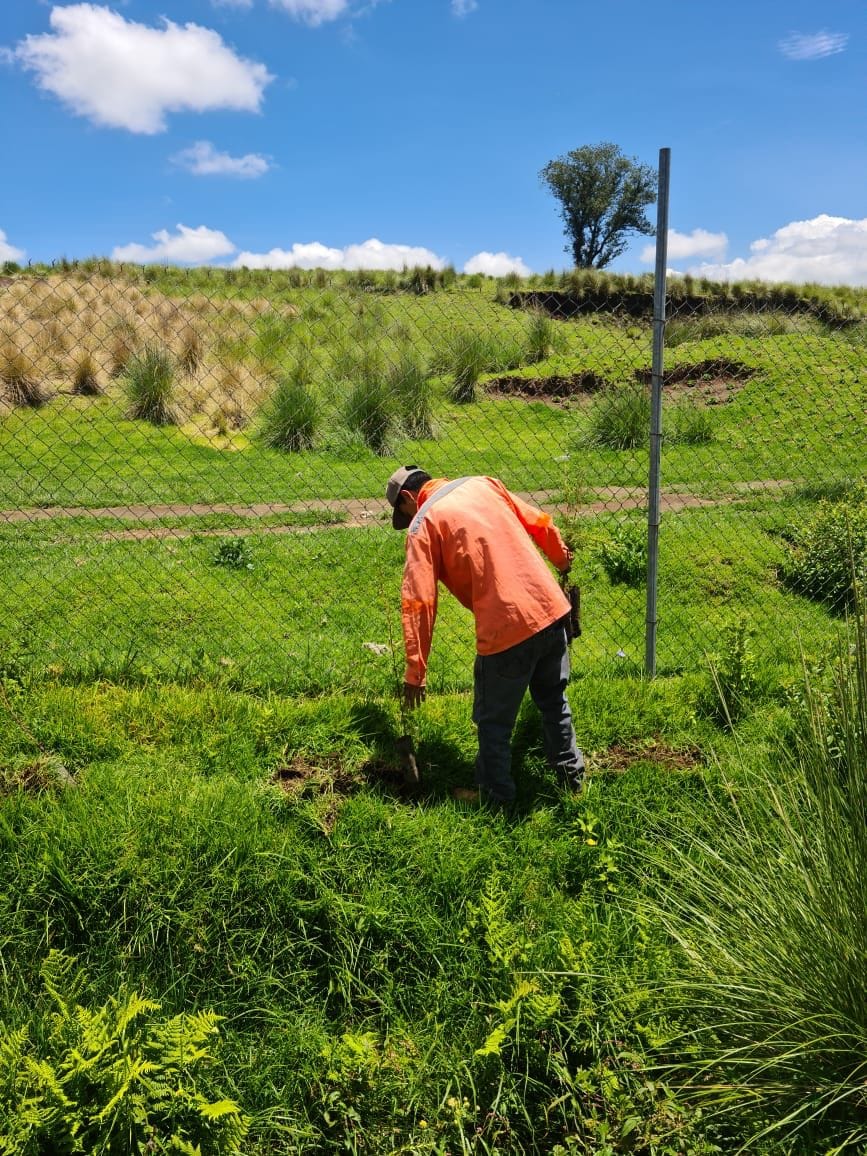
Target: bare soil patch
(619, 757)
(309, 775)
(716, 380)
(554, 388)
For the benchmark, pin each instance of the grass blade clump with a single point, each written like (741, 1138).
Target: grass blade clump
(291, 419)
(19, 378)
(369, 409)
(544, 338)
(85, 379)
(620, 417)
(409, 385)
(690, 424)
(150, 386)
(469, 360)
(769, 907)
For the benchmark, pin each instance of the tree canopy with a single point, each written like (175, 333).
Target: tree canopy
(602, 195)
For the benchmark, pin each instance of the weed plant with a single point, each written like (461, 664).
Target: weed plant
(149, 382)
(624, 555)
(292, 417)
(620, 417)
(768, 904)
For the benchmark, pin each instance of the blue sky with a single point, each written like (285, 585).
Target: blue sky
(392, 132)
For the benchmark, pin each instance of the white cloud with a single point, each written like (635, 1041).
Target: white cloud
(188, 246)
(813, 45)
(496, 265)
(313, 12)
(372, 254)
(827, 250)
(698, 243)
(464, 7)
(202, 160)
(127, 75)
(9, 252)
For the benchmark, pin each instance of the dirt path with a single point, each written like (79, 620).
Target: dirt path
(354, 512)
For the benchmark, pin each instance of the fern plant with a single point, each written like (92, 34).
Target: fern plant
(114, 1079)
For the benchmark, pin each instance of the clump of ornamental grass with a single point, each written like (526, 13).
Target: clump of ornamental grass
(150, 386)
(768, 905)
(620, 417)
(19, 378)
(409, 385)
(122, 348)
(85, 376)
(291, 417)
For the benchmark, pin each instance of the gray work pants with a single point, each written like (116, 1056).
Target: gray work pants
(540, 664)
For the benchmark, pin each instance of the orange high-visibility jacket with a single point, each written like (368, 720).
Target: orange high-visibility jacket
(477, 540)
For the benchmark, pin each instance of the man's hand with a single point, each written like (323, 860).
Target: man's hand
(568, 564)
(413, 695)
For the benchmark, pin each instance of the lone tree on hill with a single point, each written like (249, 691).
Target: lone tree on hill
(602, 196)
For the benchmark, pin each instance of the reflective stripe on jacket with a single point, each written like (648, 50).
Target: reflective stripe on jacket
(478, 540)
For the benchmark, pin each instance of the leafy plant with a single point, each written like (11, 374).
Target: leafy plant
(114, 1079)
(768, 903)
(624, 557)
(620, 417)
(291, 419)
(733, 681)
(826, 556)
(234, 553)
(150, 386)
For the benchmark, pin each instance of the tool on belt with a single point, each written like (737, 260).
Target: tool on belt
(573, 619)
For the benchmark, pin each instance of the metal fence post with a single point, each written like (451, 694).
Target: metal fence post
(656, 411)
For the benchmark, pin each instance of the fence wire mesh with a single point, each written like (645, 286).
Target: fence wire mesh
(192, 463)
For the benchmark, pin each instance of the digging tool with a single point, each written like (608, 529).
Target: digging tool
(405, 743)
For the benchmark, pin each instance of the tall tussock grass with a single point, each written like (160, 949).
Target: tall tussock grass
(150, 386)
(291, 418)
(769, 908)
(20, 383)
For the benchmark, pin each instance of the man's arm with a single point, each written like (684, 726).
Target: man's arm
(419, 597)
(540, 526)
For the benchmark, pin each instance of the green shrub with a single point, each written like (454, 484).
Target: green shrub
(291, 418)
(149, 382)
(113, 1079)
(624, 558)
(826, 556)
(620, 417)
(768, 902)
(690, 424)
(409, 385)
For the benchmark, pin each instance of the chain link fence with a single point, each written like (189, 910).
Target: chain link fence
(193, 463)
